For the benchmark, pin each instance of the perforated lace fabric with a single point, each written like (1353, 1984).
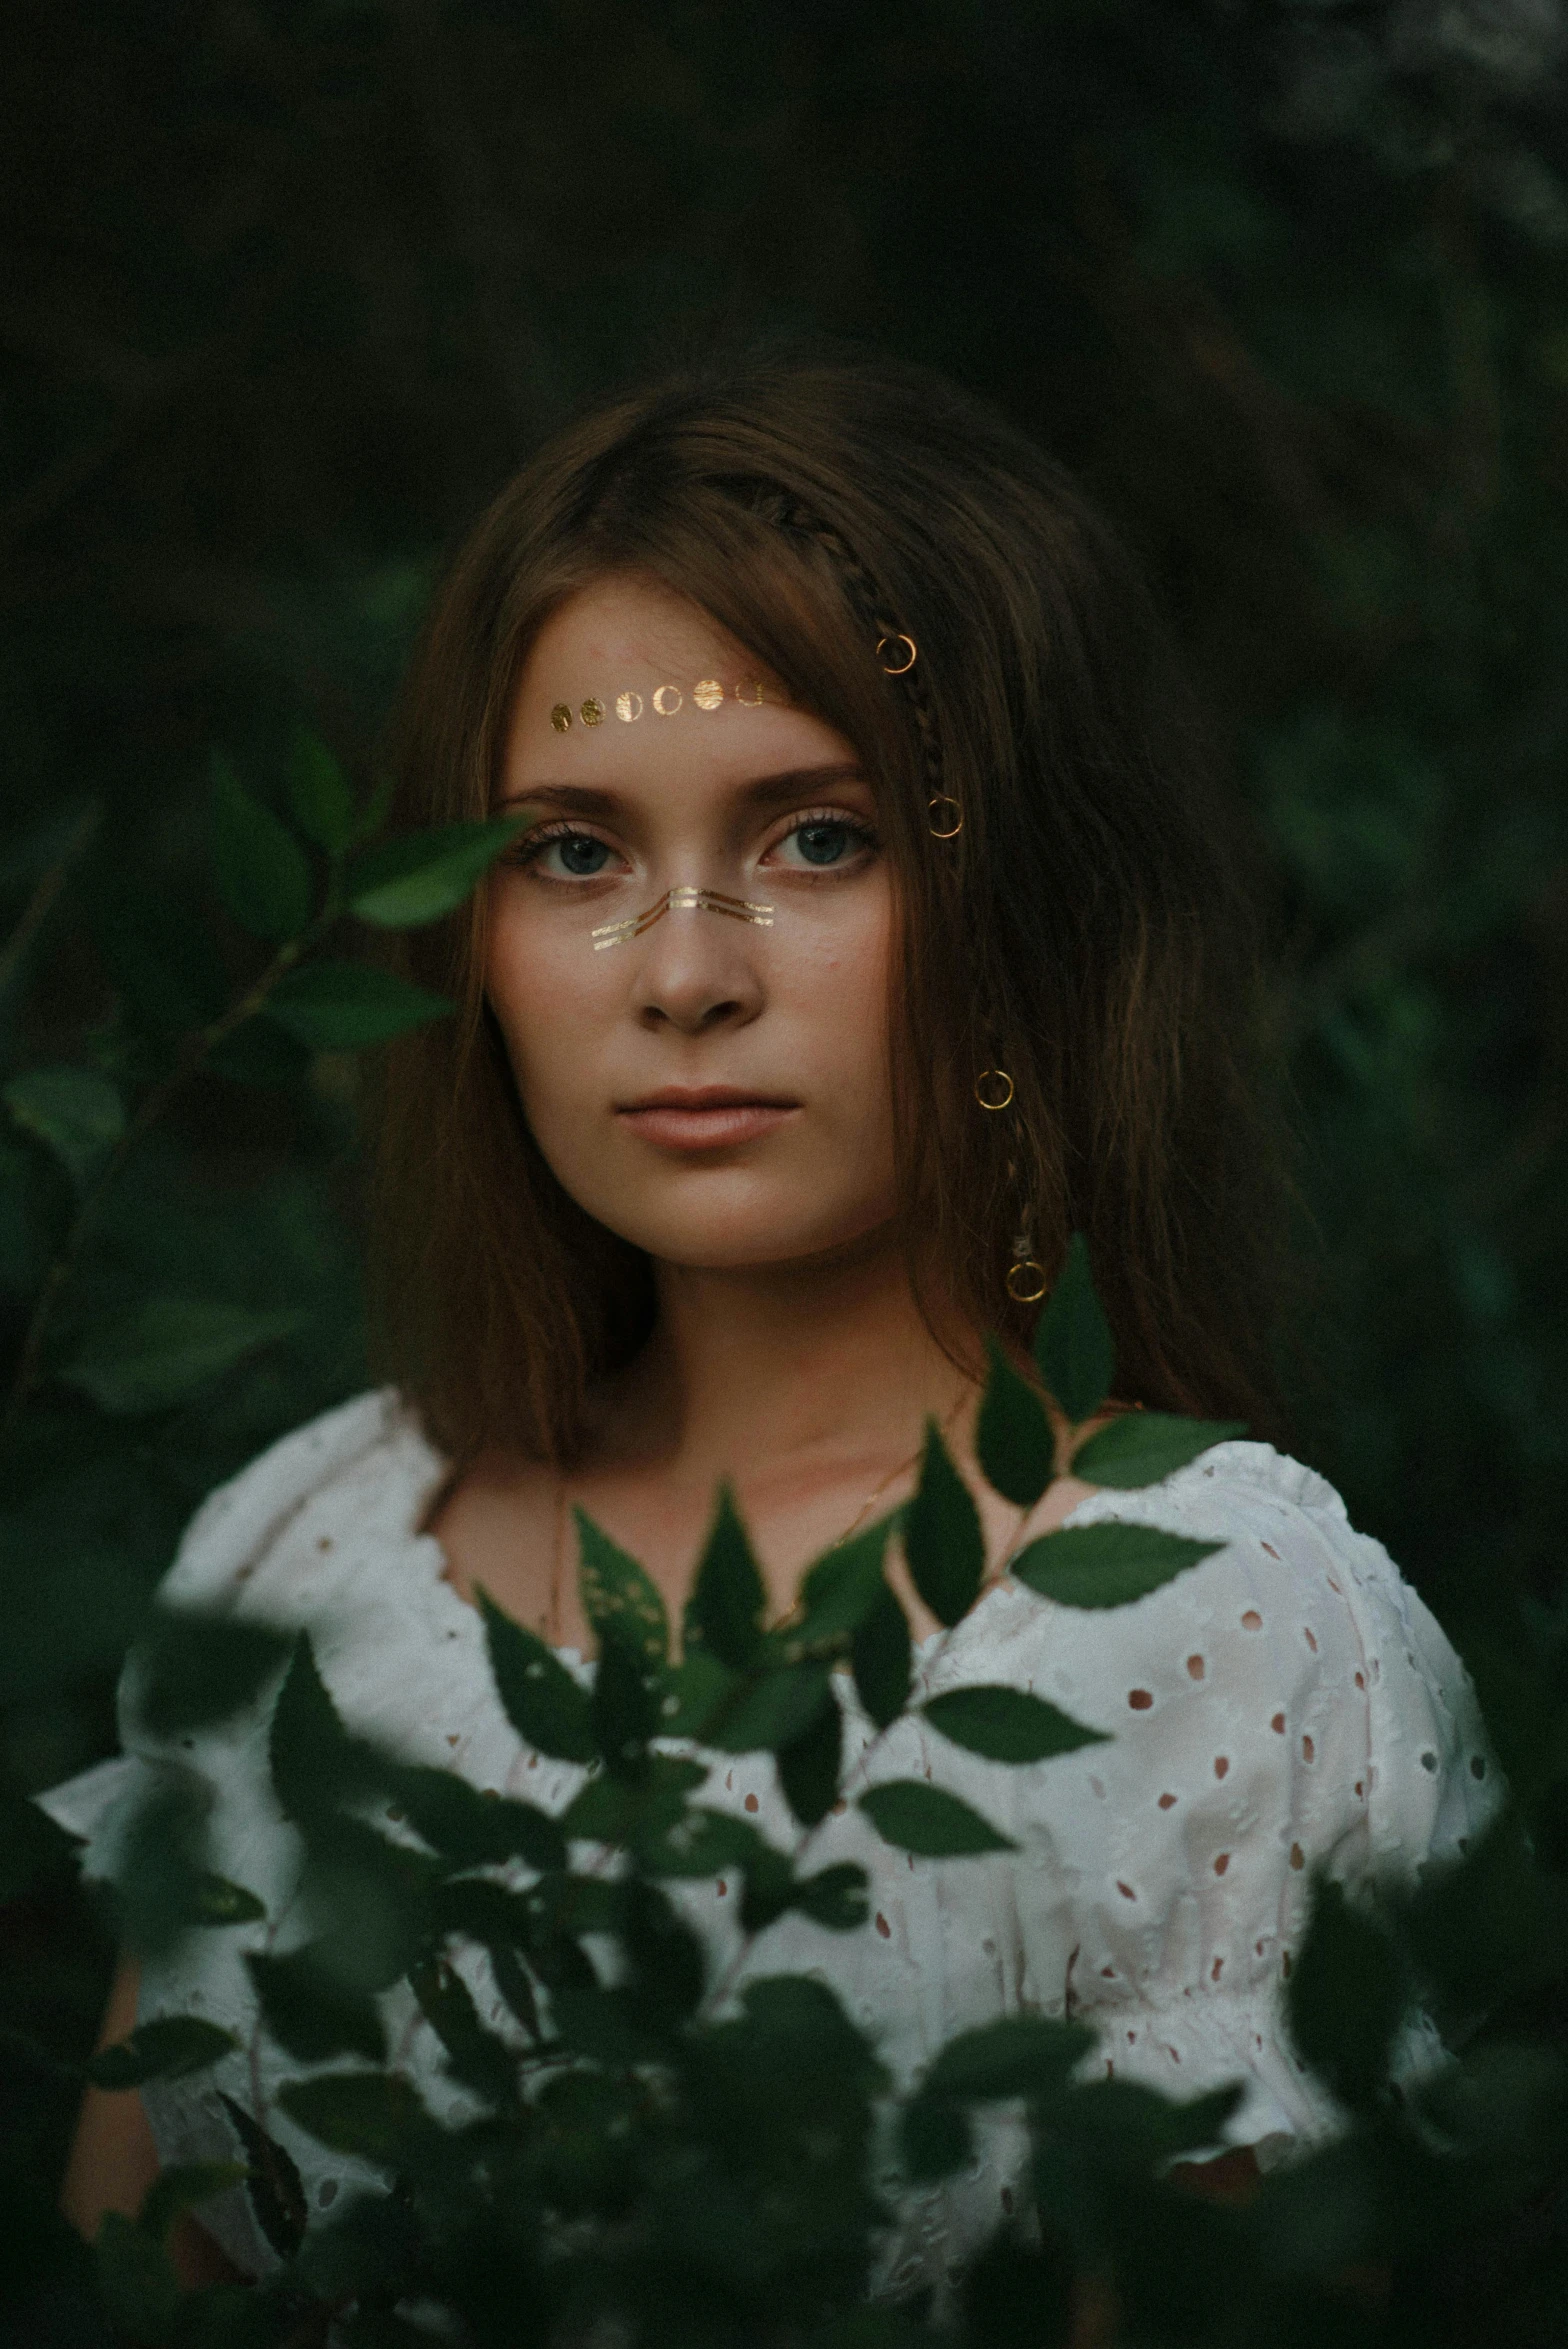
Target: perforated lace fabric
(1289, 1702)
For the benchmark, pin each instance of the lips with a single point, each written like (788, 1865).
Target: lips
(705, 1117)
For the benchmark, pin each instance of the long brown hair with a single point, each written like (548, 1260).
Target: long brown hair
(1086, 930)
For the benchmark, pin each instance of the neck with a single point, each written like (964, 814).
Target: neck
(759, 1366)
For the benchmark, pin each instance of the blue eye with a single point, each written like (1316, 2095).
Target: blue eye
(580, 853)
(824, 844)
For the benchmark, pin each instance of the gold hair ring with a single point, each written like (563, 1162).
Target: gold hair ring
(898, 668)
(684, 899)
(1004, 1084)
(945, 799)
(1020, 1271)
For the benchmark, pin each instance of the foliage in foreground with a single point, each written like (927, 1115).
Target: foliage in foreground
(652, 2154)
(653, 2149)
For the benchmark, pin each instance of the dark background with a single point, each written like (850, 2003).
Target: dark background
(290, 289)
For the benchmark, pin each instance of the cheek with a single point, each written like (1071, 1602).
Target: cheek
(543, 994)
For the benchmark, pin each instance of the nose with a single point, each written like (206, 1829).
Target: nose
(696, 971)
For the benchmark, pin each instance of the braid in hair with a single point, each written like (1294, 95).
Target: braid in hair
(789, 515)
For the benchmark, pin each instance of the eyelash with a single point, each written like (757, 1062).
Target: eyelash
(529, 849)
(863, 834)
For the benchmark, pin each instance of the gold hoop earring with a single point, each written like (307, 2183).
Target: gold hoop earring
(900, 668)
(1026, 1281)
(984, 1085)
(944, 799)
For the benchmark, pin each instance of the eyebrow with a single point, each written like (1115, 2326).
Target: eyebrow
(763, 792)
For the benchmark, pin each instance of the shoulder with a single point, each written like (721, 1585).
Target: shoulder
(357, 1479)
(1294, 1661)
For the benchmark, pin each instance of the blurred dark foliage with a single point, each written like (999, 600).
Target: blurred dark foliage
(291, 288)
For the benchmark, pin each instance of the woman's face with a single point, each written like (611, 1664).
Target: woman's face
(714, 1087)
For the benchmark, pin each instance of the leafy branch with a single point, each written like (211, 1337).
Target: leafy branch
(291, 887)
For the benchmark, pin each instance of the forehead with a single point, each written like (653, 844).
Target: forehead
(627, 677)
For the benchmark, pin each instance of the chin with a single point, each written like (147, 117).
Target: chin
(752, 1243)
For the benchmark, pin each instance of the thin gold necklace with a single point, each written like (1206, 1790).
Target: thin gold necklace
(558, 1549)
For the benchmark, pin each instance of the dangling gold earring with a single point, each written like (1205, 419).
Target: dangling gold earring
(1026, 1278)
(1026, 1275)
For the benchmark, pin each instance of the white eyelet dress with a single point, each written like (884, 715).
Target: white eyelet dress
(1290, 1703)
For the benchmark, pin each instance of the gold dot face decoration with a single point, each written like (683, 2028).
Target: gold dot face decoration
(665, 701)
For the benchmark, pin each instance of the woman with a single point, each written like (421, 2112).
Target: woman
(868, 929)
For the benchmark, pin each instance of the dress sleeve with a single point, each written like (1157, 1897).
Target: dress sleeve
(226, 1539)
(1287, 1705)
(227, 1558)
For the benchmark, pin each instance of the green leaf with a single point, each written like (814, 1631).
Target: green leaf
(1143, 1447)
(699, 1842)
(275, 2187)
(192, 1668)
(724, 1612)
(1106, 1565)
(417, 879)
(162, 1868)
(474, 1830)
(264, 875)
(774, 1710)
(376, 809)
(75, 1113)
(343, 1006)
(1007, 1724)
(310, 2013)
(166, 1349)
(616, 1592)
(168, 2048)
(692, 1692)
(140, 2289)
(309, 1750)
(936, 2137)
(184, 2187)
(1013, 1440)
(23, 1241)
(837, 1897)
(476, 2056)
(769, 1889)
(603, 2025)
(1072, 1341)
(881, 1655)
(623, 1707)
(943, 1541)
(1347, 1993)
(575, 1904)
(373, 2114)
(320, 794)
(839, 1590)
(927, 1820)
(666, 1958)
(214, 1901)
(481, 1910)
(541, 1699)
(613, 1810)
(809, 1766)
(1019, 2055)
